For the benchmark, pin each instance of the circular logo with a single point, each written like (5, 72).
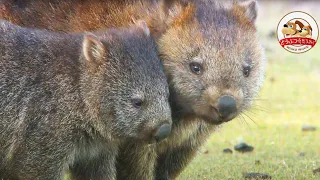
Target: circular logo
(298, 32)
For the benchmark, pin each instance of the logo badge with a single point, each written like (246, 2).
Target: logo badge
(298, 32)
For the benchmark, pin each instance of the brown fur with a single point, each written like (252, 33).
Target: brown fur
(186, 16)
(6, 13)
(216, 34)
(240, 13)
(72, 17)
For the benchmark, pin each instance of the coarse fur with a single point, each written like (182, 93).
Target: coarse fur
(218, 35)
(67, 100)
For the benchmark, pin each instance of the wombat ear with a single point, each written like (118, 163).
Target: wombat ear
(141, 24)
(170, 12)
(93, 51)
(251, 9)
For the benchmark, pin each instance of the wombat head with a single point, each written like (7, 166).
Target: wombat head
(125, 85)
(212, 57)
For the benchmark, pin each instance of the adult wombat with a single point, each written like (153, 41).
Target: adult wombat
(211, 55)
(71, 99)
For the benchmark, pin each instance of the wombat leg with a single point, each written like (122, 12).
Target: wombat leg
(38, 159)
(161, 171)
(136, 161)
(172, 162)
(101, 168)
(99, 165)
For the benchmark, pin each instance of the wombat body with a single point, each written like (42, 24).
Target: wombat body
(211, 55)
(69, 100)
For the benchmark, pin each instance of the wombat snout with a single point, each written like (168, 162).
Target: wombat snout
(162, 132)
(227, 107)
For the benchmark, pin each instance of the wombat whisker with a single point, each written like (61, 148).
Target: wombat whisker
(263, 100)
(257, 105)
(254, 115)
(244, 120)
(250, 118)
(259, 98)
(241, 119)
(259, 108)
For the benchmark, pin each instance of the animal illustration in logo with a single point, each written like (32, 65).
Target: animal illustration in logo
(298, 32)
(306, 31)
(290, 28)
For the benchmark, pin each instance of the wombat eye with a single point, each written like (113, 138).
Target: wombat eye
(137, 103)
(305, 29)
(291, 26)
(196, 68)
(246, 71)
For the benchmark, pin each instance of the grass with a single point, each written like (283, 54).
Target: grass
(288, 100)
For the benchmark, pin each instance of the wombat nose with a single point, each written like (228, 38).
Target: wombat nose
(226, 106)
(285, 25)
(163, 132)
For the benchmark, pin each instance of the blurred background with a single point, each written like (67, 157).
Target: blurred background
(283, 126)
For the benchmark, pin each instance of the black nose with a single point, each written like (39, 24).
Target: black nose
(226, 106)
(285, 25)
(163, 132)
(300, 30)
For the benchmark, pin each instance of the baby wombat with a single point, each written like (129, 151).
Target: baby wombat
(68, 100)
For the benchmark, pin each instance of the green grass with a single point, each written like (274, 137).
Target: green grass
(287, 103)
